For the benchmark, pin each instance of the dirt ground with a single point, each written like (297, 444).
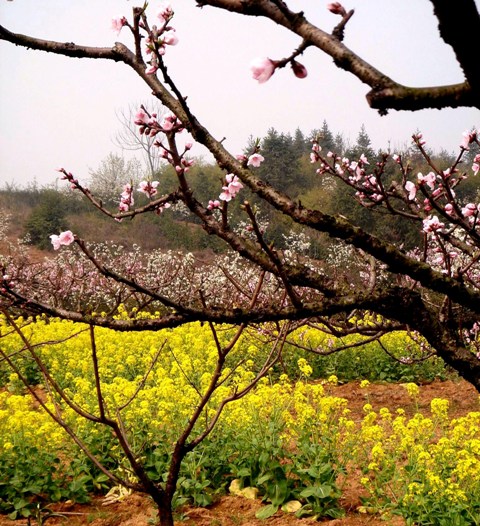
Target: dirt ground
(136, 510)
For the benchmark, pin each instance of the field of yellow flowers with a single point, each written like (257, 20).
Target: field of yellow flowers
(291, 442)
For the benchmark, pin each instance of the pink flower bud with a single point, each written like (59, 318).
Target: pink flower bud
(336, 8)
(262, 69)
(469, 210)
(151, 70)
(213, 204)
(170, 38)
(299, 70)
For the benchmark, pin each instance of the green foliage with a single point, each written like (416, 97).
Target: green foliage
(47, 217)
(404, 361)
(287, 166)
(31, 477)
(281, 165)
(282, 472)
(285, 442)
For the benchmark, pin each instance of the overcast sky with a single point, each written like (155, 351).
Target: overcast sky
(57, 111)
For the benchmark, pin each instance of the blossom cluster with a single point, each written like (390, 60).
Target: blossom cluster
(429, 198)
(63, 239)
(158, 36)
(233, 185)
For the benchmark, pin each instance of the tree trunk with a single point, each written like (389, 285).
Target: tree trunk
(165, 513)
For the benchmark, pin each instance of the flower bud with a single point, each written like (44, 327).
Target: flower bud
(299, 70)
(262, 69)
(336, 8)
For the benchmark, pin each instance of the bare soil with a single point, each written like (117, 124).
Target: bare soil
(136, 510)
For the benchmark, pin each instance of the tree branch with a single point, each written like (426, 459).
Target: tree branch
(385, 93)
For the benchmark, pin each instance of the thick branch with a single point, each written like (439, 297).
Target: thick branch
(385, 93)
(68, 49)
(458, 24)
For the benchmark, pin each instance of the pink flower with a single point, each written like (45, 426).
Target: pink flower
(126, 198)
(476, 164)
(449, 209)
(234, 182)
(418, 138)
(153, 66)
(262, 69)
(428, 179)
(411, 188)
(299, 70)
(64, 238)
(165, 13)
(117, 23)
(170, 38)
(226, 195)
(149, 188)
(187, 163)
(468, 137)
(255, 160)
(469, 210)
(141, 118)
(152, 69)
(213, 204)
(163, 207)
(231, 189)
(336, 8)
(432, 224)
(55, 241)
(168, 122)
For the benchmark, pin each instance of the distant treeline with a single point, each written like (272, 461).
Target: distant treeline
(38, 212)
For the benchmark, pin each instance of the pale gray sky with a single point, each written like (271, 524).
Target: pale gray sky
(56, 111)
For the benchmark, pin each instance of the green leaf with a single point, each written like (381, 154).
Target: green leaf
(244, 472)
(20, 503)
(264, 478)
(319, 492)
(280, 494)
(267, 511)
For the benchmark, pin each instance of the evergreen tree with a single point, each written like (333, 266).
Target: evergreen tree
(281, 165)
(339, 144)
(362, 146)
(324, 137)
(46, 218)
(301, 144)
